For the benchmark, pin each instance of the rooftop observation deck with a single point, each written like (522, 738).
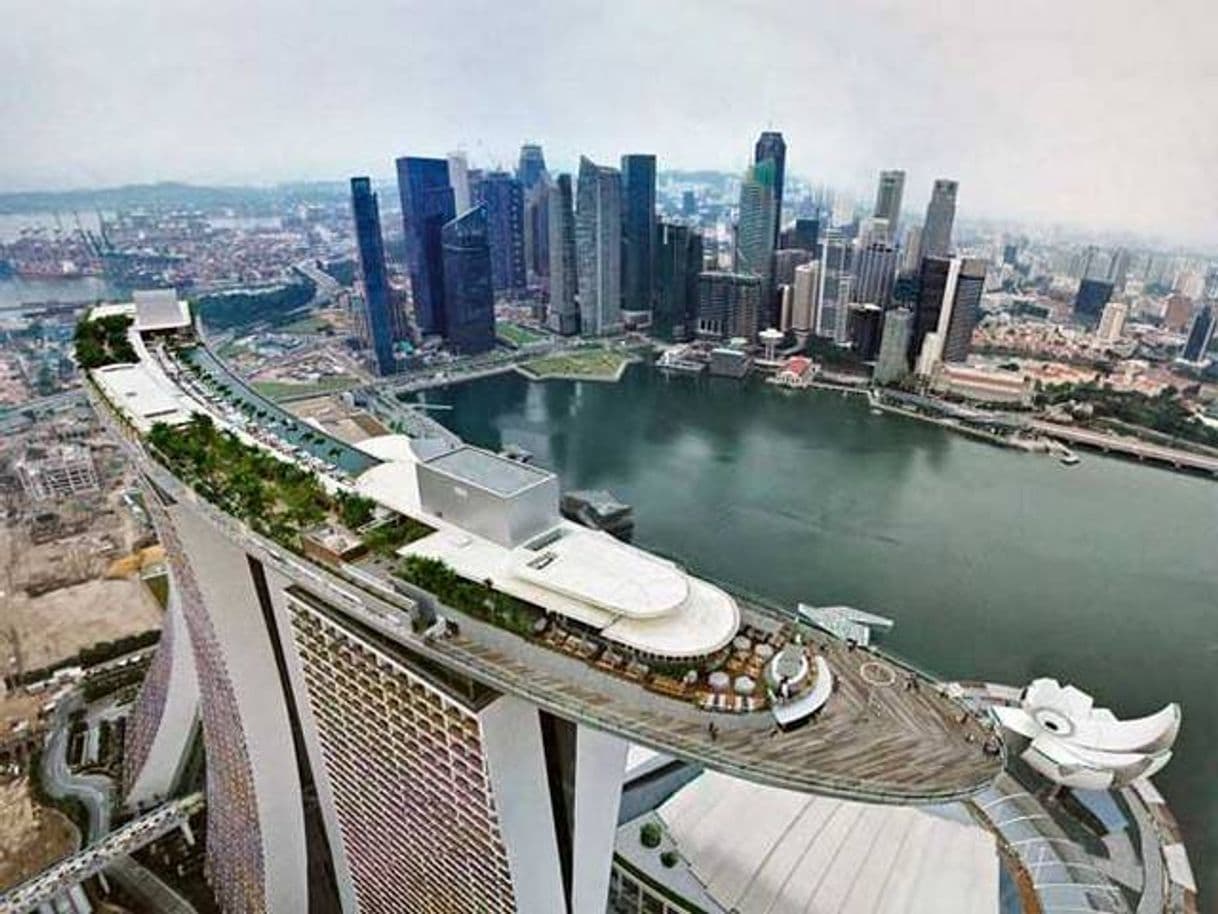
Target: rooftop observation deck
(886, 734)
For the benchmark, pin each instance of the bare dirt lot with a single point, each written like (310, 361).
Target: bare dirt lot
(31, 837)
(58, 624)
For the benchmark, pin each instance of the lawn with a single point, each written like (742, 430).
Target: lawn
(515, 335)
(305, 325)
(601, 364)
(279, 390)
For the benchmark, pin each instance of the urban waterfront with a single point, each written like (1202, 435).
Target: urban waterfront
(994, 564)
(16, 293)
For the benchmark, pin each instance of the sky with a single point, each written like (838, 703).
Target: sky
(1091, 112)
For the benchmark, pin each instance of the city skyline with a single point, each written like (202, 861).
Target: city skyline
(1109, 98)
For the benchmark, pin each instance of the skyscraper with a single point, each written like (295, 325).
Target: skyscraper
(1112, 321)
(503, 197)
(458, 177)
(888, 199)
(772, 147)
(729, 305)
(940, 214)
(1200, 335)
(1090, 299)
(537, 227)
(893, 362)
(949, 306)
(563, 314)
(638, 231)
(377, 301)
(911, 256)
(680, 262)
(469, 294)
(806, 235)
(755, 234)
(427, 205)
(864, 321)
(835, 284)
(805, 299)
(531, 167)
(598, 248)
(875, 267)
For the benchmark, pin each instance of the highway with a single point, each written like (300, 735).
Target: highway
(1130, 446)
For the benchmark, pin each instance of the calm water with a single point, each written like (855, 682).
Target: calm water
(17, 292)
(994, 564)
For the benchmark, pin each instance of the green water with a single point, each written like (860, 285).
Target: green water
(995, 565)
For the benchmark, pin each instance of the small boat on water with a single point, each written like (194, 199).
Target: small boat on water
(1068, 460)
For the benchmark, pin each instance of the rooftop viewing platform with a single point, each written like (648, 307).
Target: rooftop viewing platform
(531, 604)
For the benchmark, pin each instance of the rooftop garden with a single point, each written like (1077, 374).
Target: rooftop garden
(480, 600)
(593, 364)
(276, 498)
(103, 341)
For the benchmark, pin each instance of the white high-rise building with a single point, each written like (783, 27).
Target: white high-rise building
(458, 179)
(834, 293)
(940, 214)
(1112, 321)
(805, 299)
(598, 248)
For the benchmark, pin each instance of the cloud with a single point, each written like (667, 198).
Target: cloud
(1088, 111)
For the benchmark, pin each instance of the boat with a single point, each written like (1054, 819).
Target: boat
(599, 510)
(1068, 460)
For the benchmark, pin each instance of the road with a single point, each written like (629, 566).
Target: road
(1131, 446)
(94, 790)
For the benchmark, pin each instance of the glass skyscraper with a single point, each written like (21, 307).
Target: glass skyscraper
(469, 296)
(598, 248)
(427, 205)
(638, 232)
(503, 197)
(563, 314)
(377, 303)
(679, 262)
(940, 214)
(771, 146)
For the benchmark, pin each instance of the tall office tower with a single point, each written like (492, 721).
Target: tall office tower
(893, 362)
(805, 299)
(755, 234)
(473, 178)
(1094, 263)
(689, 204)
(458, 178)
(598, 248)
(864, 321)
(940, 214)
(563, 313)
(949, 306)
(888, 199)
(1178, 313)
(638, 232)
(531, 167)
(1089, 302)
(427, 206)
(773, 148)
(785, 262)
(805, 234)
(1010, 254)
(537, 227)
(911, 255)
(1112, 322)
(469, 293)
(503, 197)
(375, 279)
(1200, 335)
(1118, 269)
(835, 286)
(680, 263)
(875, 269)
(729, 305)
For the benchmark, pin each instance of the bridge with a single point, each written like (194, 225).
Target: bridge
(118, 844)
(1132, 447)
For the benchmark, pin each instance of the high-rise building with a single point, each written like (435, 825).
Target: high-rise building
(949, 306)
(689, 204)
(373, 275)
(805, 234)
(598, 248)
(1118, 269)
(835, 284)
(864, 320)
(888, 199)
(785, 262)
(427, 206)
(772, 147)
(1179, 313)
(537, 227)
(680, 263)
(911, 255)
(729, 305)
(805, 299)
(563, 312)
(458, 178)
(503, 197)
(893, 362)
(638, 232)
(755, 237)
(1112, 322)
(940, 214)
(469, 294)
(531, 167)
(875, 268)
(1089, 302)
(1200, 335)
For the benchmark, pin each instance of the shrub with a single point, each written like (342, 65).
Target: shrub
(669, 859)
(650, 834)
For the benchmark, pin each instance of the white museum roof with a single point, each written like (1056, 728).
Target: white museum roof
(761, 849)
(160, 309)
(142, 395)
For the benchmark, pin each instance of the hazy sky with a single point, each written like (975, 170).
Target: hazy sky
(1102, 112)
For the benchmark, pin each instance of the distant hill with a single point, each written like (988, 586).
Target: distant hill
(169, 195)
